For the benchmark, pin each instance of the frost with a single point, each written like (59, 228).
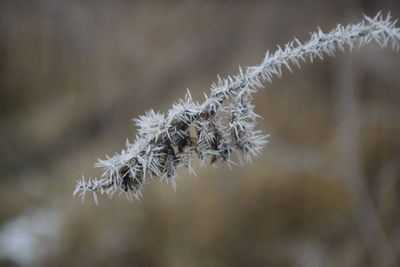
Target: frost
(217, 130)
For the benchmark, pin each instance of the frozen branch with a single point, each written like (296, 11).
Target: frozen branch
(215, 129)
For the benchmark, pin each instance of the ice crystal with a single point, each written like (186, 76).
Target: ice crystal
(215, 129)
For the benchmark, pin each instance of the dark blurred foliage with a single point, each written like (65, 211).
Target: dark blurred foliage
(325, 191)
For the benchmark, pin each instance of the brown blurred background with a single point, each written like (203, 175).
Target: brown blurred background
(324, 192)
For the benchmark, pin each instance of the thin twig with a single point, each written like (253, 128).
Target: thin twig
(216, 129)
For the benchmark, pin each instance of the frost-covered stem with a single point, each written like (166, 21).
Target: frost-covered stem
(216, 129)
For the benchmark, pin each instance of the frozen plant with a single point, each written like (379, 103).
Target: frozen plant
(224, 124)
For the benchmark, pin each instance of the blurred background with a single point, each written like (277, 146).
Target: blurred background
(324, 192)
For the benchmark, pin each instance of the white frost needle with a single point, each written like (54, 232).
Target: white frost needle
(214, 129)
